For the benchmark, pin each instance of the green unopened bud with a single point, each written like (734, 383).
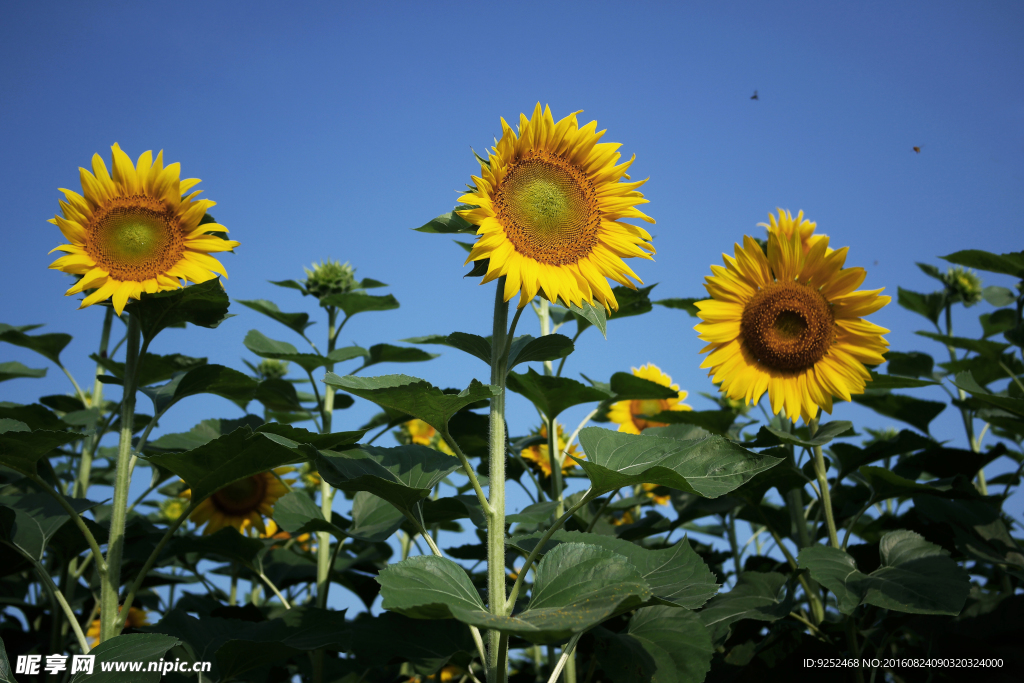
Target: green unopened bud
(963, 285)
(173, 508)
(329, 277)
(272, 369)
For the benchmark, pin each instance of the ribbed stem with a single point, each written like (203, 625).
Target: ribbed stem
(826, 496)
(110, 580)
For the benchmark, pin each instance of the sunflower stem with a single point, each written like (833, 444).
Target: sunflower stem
(496, 473)
(826, 498)
(85, 466)
(110, 580)
(965, 413)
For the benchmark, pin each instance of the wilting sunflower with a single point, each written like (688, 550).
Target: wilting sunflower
(627, 414)
(242, 504)
(137, 618)
(134, 231)
(790, 323)
(538, 454)
(549, 209)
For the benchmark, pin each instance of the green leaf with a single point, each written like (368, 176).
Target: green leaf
(448, 224)
(912, 364)
(1008, 264)
(265, 347)
(290, 284)
(21, 450)
(534, 514)
(133, 647)
(279, 395)
(387, 353)
(898, 382)
(709, 467)
(228, 459)
(47, 345)
(427, 587)
(370, 283)
(714, 421)
(1003, 320)
(632, 301)
(588, 315)
(984, 347)
(551, 394)
(576, 587)
(687, 305)
(887, 484)
(5, 667)
(286, 434)
(676, 575)
(37, 517)
(825, 433)
(978, 529)
(628, 387)
(202, 434)
(402, 476)
(526, 349)
(295, 321)
(32, 416)
(756, 595)
(358, 302)
(452, 508)
(14, 370)
(218, 380)
(966, 382)
(661, 645)
(851, 457)
(412, 396)
(916, 576)
(226, 543)
(205, 305)
(473, 344)
(928, 305)
(153, 368)
(426, 644)
(373, 518)
(913, 411)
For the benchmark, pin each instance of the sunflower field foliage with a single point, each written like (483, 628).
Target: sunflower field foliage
(720, 533)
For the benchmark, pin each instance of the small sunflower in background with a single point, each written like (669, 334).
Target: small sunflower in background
(419, 432)
(274, 532)
(650, 490)
(538, 454)
(137, 618)
(790, 323)
(135, 231)
(549, 209)
(628, 414)
(242, 504)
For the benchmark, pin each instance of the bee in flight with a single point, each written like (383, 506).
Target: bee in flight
(754, 96)
(917, 149)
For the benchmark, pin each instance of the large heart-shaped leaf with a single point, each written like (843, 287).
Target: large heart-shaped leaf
(577, 586)
(295, 321)
(426, 644)
(152, 367)
(229, 458)
(967, 382)
(916, 576)
(373, 518)
(427, 587)
(127, 648)
(265, 347)
(37, 517)
(1009, 264)
(359, 302)
(710, 467)
(402, 476)
(522, 349)
(389, 353)
(21, 449)
(661, 645)
(448, 224)
(756, 595)
(205, 305)
(47, 345)
(15, 370)
(551, 395)
(676, 575)
(412, 396)
(913, 411)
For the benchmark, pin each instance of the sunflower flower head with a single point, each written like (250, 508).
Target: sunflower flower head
(136, 230)
(963, 285)
(242, 504)
(788, 226)
(631, 416)
(419, 432)
(549, 210)
(329, 277)
(790, 323)
(537, 455)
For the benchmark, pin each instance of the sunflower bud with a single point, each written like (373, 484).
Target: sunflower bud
(272, 369)
(329, 277)
(172, 508)
(963, 285)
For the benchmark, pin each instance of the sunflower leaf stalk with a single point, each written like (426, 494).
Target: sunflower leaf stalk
(820, 471)
(111, 578)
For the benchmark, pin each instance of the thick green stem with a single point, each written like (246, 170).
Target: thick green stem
(826, 497)
(85, 465)
(555, 458)
(110, 580)
(737, 560)
(496, 473)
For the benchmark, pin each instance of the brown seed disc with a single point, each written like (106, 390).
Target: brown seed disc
(788, 326)
(134, 238)
(548, 208)
(242, 497)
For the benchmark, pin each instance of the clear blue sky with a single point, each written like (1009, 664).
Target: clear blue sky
(331, 129)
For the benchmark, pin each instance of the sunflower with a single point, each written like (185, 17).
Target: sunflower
(538, 454)
(135, 232)
(627, 414)
(137, 618)
(650, 491)
(242, 504)
(419, 432)
(548, 211)
(790, 323)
